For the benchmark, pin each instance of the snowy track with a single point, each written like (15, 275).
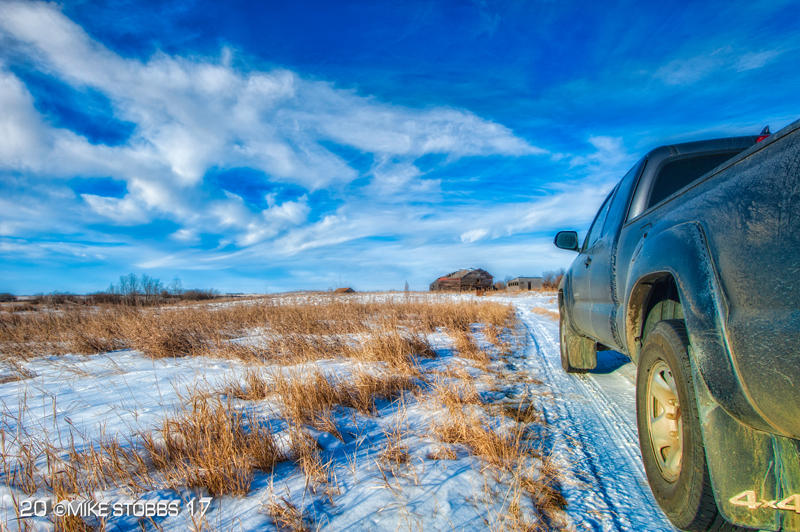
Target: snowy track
(592, 422)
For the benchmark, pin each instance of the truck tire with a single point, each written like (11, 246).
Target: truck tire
(669, 432)
(579, 347)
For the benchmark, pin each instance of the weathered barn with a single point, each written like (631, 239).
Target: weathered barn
(464, 280)
(344, 290)
(524, 283)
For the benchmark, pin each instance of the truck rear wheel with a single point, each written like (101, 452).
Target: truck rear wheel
(669, 431)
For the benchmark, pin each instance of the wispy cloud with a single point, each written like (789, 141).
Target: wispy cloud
(193, 114)
(690, 70)
(609, 152)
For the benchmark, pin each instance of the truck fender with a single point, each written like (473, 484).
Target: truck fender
(682, 252)
(755, 474)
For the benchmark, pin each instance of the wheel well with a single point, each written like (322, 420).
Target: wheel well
(655, 298)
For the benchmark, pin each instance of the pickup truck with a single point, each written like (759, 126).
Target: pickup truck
(691, 268)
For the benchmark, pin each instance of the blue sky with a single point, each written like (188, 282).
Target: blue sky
(273, 146)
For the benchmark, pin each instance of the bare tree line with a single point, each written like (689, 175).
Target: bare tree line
(132, 290)
(146, 290)
(552, 278)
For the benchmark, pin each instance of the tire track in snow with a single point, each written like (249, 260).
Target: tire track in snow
(594, 438)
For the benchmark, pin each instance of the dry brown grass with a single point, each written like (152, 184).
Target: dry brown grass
(394, 451)
(552, 314)
(32, 464)
(523, 413)
(509, 454)
(443, 453)
(493, 334)
(454, 392)
(467, 348)
(396, 348)
(501, 450)
(305, 452)
(308, 395)
(309, 398)
(14, 371)
(256, 386)
(505, 448)
(168, 335)
(287, 516)
(69, 472)
(451, 371)
(322, 328)
(207, 445)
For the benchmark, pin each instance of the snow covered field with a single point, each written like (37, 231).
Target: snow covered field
(489, 433)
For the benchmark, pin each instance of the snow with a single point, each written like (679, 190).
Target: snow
(589, 432)
(593, 418)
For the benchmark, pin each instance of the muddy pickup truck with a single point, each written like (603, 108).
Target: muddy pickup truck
(692, 269)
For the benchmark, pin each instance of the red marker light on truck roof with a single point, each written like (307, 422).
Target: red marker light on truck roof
(764, 134)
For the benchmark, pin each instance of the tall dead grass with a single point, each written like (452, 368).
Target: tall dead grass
(552, 314)
(505, 448)
(32, 464)
(468, 348)
(210, 445)
(285, 333)
(308, 395)
(309, 398)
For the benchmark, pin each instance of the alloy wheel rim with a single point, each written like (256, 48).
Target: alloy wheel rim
(664, 420)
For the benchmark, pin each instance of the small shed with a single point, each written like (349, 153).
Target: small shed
(524, 283)
(464, 280)
(344, 290)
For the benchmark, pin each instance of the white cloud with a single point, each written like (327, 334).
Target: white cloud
(400, 182)
(21, 128)
(194, 114)
(753, 60)
(609, 152)
(690, 70)
(185, 235)
(124, 211)
(290, 212)
(474, 235)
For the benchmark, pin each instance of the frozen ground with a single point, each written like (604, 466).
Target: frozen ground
(594, 434)
(590, 434)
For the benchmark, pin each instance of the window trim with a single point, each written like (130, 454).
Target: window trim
(607, 203)
(677, 158)
(649, 179)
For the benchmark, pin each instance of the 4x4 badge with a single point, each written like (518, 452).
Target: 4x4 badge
(749, 499)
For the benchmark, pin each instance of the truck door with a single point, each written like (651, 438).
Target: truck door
(582, 310)
(601, 289)
(604, 274)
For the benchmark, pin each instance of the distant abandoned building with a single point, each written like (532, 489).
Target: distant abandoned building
(524, 283)
(465, 280)
(344, 290)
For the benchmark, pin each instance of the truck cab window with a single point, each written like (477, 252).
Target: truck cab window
(679, 173)
(597, 225)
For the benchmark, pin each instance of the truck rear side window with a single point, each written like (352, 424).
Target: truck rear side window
(597, 225)
(677, 174)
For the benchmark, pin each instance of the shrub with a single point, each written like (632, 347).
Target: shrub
(552, 278)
